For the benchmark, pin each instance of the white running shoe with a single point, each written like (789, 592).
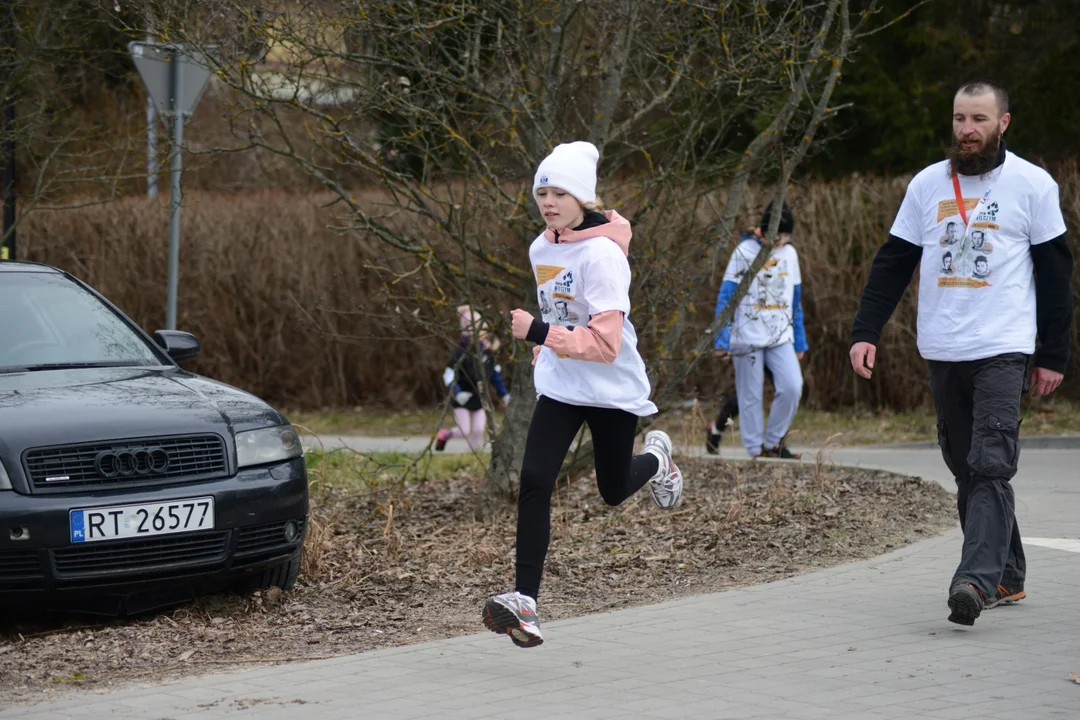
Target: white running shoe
(515, 615)
(667, 484)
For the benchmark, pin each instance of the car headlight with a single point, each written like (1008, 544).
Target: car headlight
(268, 445)
(5, 481)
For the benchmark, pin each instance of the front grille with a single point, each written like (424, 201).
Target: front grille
(71, 468)
(266, 538)
(145, 554)
(20, 565)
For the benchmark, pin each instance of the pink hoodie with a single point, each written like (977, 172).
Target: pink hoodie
(602, 338)
(616, 229)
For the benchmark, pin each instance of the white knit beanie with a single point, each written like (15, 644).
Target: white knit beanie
(570, 167)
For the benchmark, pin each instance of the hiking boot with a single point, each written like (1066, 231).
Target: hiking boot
(440, 439)
(1005, 596)
(667, 484)
(966, 603)
(515, 615)
(780, 451)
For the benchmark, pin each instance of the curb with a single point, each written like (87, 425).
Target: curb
(1037, 442)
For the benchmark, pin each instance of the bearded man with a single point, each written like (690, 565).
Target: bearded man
(978, 326)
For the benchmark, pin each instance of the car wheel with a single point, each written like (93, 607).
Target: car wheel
(281, 576)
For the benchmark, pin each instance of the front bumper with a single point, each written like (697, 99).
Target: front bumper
(252, 509)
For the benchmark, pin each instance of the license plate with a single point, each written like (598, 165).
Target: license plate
(131, 521)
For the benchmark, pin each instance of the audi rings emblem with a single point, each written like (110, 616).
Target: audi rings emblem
(132, 461)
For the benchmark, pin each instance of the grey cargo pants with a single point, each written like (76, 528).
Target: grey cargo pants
(978, 416)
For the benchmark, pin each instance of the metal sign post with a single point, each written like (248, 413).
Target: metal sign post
(151, 143)
(177, 167)
(175, 77)
(7, 143)
(7, 238)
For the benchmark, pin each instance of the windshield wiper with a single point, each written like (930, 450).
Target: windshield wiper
(70, 366)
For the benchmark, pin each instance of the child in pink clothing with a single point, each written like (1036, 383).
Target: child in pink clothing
(467, 383)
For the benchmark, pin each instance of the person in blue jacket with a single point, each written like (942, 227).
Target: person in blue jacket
(766, 333)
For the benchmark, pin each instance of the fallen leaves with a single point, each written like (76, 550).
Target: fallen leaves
(426, 576)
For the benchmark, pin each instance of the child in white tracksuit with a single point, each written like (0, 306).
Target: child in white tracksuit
(767, 331)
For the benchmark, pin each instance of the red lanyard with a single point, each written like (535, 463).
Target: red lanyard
(959, 199)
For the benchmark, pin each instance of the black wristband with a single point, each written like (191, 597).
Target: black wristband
(538, 332)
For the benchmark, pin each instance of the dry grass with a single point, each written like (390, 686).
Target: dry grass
(826, 429)
(284, 306)
(290, 309)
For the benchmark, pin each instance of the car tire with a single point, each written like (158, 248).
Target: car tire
(282, 576)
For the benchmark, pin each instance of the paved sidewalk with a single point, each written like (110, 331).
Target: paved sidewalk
(865, 641)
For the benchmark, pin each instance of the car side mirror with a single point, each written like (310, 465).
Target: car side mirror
(179, 345)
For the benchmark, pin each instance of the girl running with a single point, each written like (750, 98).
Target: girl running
(588, 370)
(466, 381)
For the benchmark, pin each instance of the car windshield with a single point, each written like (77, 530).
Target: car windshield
(46, 320)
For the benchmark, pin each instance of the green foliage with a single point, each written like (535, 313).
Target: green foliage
(346, 469)
(71, 55)
(902, 82)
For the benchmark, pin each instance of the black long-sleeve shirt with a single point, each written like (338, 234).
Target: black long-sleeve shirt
(1053, 301)
(891, 272)
(895, 263)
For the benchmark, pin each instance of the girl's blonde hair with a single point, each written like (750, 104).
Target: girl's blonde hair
(596, 205)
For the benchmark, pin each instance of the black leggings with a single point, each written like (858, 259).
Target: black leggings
(619, 473)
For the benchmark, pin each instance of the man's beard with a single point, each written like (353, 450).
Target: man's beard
(974, 162)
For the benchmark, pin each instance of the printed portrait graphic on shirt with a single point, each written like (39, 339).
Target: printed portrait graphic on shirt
(952, 234)
(966, 263)
(771, 284)
(762, 297)
(979, 243)
(545, 306)
(764, 317)
(563, 312)
(556, 293)
(946, 264)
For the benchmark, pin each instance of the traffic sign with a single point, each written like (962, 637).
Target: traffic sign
(154, 63)
(175, 77)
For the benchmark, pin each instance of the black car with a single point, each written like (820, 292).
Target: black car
(127, 483)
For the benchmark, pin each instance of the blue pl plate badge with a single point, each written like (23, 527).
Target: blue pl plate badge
(78, 526)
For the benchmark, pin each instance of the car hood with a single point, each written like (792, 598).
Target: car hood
(89, 405)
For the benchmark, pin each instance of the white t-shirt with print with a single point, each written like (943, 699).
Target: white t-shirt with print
(765, 316)
(977, 291)
(575, 281)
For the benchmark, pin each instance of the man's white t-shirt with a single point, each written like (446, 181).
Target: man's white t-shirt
(977, 291)
(765, 316)
(575, 281)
